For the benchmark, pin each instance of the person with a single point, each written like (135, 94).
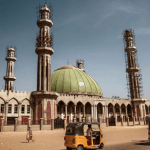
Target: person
(29, 135)
(89, 130)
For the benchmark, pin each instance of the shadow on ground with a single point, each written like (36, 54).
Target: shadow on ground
(143, 142)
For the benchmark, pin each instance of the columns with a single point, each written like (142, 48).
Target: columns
(92, 113)
(120, 111)
(113, 111)
(19, 113)
(139, 120)
(106, 111)
(29, 122)
(16, 124)
(103, 112)
(6, 112)
(36, 112)
(2, 124)
(83, 113)
(121, 121)
(74, 113)
(133, 121)
(96, 113)
(52, 124)
(127, 121)
(41, 123)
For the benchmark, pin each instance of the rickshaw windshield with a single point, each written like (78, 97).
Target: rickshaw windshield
(95, 127)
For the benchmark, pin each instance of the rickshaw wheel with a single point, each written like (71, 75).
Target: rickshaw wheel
(80, 148)
(68, 148)
(101, 146)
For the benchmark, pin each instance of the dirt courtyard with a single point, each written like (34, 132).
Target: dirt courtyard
(54, 140)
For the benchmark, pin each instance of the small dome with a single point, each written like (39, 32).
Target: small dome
(45, 8)
(70, 79)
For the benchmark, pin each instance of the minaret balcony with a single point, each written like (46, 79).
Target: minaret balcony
(130, 48)
(11, 59)
(46, 50)
(132, 69)
(46, 22)
(10, 78)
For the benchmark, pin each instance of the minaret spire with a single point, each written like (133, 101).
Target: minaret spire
(9, 78)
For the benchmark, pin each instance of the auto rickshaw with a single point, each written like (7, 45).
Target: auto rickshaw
(76, 136)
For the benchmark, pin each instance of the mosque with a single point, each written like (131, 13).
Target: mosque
(69, 92)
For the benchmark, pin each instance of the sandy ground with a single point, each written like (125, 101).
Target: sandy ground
(51, 140)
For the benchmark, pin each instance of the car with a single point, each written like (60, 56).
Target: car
(76, 136)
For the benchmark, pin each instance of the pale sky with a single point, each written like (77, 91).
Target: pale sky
(83, 29)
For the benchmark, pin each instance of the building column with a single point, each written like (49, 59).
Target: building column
(66, 111)
(103, 112)
(6, 112)
(95, 112)
(120, 111)
(83, 113)
(135, 110)
(19, 113)
(36, 112)
(106, 112)
(74, 113)
(92, 113)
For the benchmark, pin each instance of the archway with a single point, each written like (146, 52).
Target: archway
(99, 111)
(79, 110)
(129, 111)
(88, 115)
(70, 112)
(61, 109)
(117, 111)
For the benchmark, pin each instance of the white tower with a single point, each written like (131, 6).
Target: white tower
(9, 78)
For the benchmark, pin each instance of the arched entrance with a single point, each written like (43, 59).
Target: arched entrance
(117, 111)
(79, 112)
(99, 111)
(88, 116)
(129, 111)
(70, 112)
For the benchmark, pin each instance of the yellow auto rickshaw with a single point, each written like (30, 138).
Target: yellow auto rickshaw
(76, 136)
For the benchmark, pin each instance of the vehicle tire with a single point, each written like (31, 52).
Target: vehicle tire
(68, 148)
(101, 146)
(80, 148)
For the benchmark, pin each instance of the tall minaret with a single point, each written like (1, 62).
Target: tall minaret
(44, 103)
(9, 78)
(132, 67)
(44, 50)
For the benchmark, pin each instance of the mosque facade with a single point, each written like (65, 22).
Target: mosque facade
(69, 92)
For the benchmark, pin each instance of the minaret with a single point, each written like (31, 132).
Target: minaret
(44, 103)
(9, 78)
(80, 64)
(133, 75)
(44, 50)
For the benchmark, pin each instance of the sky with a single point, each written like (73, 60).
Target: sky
(91, 30)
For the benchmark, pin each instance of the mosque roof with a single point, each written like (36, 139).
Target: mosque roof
(70, 79)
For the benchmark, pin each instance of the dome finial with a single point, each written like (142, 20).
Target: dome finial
(45, 5)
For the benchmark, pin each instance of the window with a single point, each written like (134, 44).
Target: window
(15, 108)
(2, 108)
(9, 108)
(22, 108)
(28, 109)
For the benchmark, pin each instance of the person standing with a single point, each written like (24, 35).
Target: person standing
(29, 135)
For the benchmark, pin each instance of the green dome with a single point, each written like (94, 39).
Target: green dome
(73, 80)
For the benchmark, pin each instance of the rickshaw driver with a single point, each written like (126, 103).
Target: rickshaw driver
(89, 130)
